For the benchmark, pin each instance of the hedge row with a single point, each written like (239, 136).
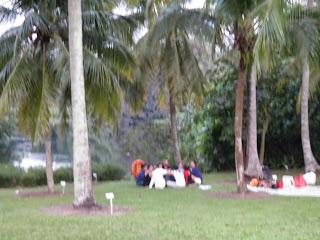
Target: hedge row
(11, 176)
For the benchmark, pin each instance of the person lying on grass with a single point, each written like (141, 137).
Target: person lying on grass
(195, 173)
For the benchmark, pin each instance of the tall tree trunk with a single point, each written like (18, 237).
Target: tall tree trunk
(49, 168)
(310, 162)
(173, 121)
(254, 168)
(263, 136)
(83, 195)
(246, 142)
(238, 120)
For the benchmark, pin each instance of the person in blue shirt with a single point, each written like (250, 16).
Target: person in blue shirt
(195, 173)
(141, 176)
(144, 177)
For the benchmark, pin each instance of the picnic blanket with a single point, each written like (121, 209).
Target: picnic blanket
(308, 191)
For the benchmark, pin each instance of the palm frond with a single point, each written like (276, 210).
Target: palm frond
(34, 23)
(7, 14)
(191, 20)
(103, 88)
(16, 79)
(270, 30)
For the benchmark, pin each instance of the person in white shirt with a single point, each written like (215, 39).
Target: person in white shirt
(157, 178)
(179, 178)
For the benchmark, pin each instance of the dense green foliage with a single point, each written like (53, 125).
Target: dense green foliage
(11, 176)
(208, 134)
(211, 129)
(169, 214)
(149, 141)
(7, 129)
(63, 174)
(106, 172)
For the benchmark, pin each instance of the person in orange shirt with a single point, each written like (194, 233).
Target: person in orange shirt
(136, 167)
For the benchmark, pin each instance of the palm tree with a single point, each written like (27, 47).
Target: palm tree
(253, 168)
(83, 194)
(35, 96)
(168, 51)
(251, 25)
(35, 66)
(304, 32)
(309, 159)
(234, 17)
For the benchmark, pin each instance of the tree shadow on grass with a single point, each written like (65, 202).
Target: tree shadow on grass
(41, 194)
(97, 210)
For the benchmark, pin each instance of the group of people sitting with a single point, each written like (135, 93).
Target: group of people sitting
(269, 180)
(162, 175)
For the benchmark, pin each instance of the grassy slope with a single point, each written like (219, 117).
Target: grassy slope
(168, 214)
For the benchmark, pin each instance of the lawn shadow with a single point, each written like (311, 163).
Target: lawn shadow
(98, 210)
(240, 196)
(41, 194)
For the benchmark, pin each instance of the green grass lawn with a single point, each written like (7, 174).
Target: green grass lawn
(168, 214)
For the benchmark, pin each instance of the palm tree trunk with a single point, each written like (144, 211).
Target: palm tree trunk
(254, 168)
(263, 136)
(309, 160)
(83, 195)
(174, 130)
(238, 120)
(49, 168)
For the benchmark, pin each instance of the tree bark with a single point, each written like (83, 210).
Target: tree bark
(309, 160)
(49, 168)
(173, 121)
(238, 120)
(83, 194)
(254, 168)
(263, 136)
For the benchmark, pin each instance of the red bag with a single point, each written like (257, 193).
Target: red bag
(186, 174)
(279, 184)
(299, 181)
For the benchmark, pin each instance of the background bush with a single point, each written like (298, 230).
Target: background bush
(34, 177)
(11, 176)
(63, 174)
(106, 172)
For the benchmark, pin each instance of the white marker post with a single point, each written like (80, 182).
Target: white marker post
(63, 185)
(95, 176)
(110, 197)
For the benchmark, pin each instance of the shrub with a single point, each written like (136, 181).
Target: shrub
(34, 177)
(10, 175)
(63, 174)
(107, 172)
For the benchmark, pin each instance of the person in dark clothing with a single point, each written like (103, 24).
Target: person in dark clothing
(166, 165)
(141, 176)
(148, 175)
(144, 177)
(195, 173)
